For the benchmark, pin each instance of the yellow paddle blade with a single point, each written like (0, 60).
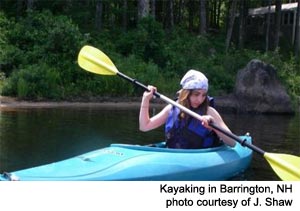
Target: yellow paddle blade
(95, 61)
(287, 167)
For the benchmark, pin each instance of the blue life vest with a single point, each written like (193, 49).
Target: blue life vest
(188, 134)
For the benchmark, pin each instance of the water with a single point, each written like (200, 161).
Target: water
(32, 137)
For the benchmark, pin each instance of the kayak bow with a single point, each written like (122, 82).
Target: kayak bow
(135, 162)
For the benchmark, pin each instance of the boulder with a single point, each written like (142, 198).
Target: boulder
(258, 90)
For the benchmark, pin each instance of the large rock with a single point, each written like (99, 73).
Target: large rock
(258, 90)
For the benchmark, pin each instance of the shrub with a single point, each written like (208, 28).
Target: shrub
(36, 81)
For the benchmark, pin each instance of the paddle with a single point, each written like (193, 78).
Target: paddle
(287, 167)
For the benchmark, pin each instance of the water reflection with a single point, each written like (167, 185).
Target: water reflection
(272, 133)
(31, 137)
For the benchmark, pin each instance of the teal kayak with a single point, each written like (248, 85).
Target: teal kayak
(135, 162)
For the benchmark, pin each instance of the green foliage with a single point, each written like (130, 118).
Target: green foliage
(183, 50)
(35, 82)
(146, 41)
(41, 43)
(290, 73)
(2, 80)
(145, 72)
(39, 51)
(5, 47)
(42, 36)
(3, 29)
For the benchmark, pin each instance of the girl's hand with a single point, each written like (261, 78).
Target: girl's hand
(149, 95)
(206, 119)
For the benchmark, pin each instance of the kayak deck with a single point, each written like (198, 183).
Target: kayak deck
(135, 162)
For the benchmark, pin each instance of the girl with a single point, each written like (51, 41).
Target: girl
(181, 130)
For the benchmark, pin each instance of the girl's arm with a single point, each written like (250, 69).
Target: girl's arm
(145, 122)
(218, 121)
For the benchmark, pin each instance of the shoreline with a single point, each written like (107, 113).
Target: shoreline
(13, 104)
(131, 102)
(224, 104)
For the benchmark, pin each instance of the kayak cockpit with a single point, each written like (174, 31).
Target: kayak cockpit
(161, 147)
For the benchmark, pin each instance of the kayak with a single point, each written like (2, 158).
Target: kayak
(124, 162)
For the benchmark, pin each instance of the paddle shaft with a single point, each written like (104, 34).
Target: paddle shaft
(158, 95)
(191, 113)
(238, 139)
(135, 82)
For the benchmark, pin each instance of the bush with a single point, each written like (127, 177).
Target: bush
(44, 46)
(146, 42)
(2, 81)
(36, 81)
(38, 59)
(291, 76)
(42, 36)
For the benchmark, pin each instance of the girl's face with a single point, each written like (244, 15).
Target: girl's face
(197, 97)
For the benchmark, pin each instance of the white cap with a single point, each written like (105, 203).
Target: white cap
(194, 79)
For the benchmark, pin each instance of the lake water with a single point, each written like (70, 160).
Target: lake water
(31, 137)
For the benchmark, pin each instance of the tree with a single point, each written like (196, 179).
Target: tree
(153, 8)
(297, 33)
(215, 12)
(98, 16)
(143, 9)
(124, 17)
(231, 23)
(30, 4)
(268, 25)
(277, 22)
(212, 13)
(170, 14)
(179, 16)
(19, 8)
(191, 15)
(243, 15)
(219, 3)
(202, 16)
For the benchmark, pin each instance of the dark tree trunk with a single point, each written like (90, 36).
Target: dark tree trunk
(278, 20)
(98, 16)
(30, 4)
(231, 23)
(202, 16)
(19, 8)
(297, 33)
(124, 15)
(143, 9)
(218, 14)
(191, 15)
(268, 26)
(153, 8)
(243, 15)
(180, 11)
(170, 15)
(213, 13)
